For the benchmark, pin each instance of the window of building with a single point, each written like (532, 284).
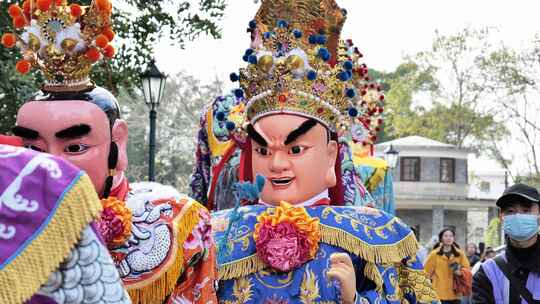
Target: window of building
(410, 169)
(447, 170)
(485, 186)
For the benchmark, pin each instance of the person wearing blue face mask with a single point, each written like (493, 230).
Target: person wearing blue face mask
(513, 277)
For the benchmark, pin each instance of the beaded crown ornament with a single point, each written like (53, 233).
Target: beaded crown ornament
(369, 102)
(62, 40)
(287, 76)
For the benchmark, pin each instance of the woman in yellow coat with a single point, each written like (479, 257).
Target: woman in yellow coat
(443, 263)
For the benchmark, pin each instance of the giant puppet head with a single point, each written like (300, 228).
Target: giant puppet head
(297, 103)
(70, 117)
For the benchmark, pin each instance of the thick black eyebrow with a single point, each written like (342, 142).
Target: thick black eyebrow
(25, 132)
(73, 131)
(255, 136)
(301, 130)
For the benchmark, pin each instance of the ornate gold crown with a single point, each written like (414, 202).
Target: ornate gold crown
(61, 40)
(284, 78)
(310, 16)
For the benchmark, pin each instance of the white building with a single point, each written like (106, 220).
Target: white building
(435, 188)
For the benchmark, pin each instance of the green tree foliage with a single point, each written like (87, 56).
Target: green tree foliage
(492, 236)
(139, 25)
(177, 126)
(441, 94)
(513, 78)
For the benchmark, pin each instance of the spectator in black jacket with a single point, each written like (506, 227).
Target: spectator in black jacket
(516, 272)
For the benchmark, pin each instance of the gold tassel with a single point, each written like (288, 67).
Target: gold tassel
(240, 268)
(162, 283)
(23, 277)
(391, 253)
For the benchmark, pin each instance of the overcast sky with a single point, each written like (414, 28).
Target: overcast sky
(397, 28)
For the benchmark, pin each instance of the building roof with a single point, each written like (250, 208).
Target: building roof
(417, 142)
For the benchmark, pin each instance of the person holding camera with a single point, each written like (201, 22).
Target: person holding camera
(448, 268)
(513, 276)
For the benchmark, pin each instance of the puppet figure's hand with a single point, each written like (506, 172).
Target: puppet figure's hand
(342, 269)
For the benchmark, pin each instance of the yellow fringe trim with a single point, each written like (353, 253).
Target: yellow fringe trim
(23, 277)
(371, 272)
(380, 254)
(240, 268)
(385, 254)
(217, 148)
(162, 283)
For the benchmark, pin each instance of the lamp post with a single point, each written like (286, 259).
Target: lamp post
(391, 156)
(153, 83)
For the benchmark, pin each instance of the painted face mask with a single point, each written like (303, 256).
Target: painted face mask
(520, 227)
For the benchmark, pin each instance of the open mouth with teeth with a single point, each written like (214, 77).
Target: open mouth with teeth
(282, 181)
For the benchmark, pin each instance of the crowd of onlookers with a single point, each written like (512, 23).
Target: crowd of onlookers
(479, 275)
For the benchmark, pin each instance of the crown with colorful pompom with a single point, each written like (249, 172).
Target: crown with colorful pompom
(62, 40)
(284, 75)
(368, 103)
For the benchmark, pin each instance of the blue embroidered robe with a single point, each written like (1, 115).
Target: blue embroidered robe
(381, 248)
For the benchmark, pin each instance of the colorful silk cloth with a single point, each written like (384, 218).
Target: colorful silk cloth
(170, 255)
(49, 251)
(376, 176)
(218, 159)
(381, 247)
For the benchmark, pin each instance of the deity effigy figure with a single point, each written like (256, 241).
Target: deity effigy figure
(51, 251)
(160, 240)
(218, 155)
(293, 240)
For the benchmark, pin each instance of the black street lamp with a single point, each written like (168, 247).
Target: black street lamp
(153, 83)
(391, 156)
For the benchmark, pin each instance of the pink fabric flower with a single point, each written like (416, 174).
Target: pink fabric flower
(110, 226)
(282, 247)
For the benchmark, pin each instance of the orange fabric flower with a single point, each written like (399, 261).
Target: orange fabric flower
(75, 10)
(43, 5)
(109, 33)
(9, 40)
(93, 55)
(14, 10)
(19, 21)
(102, 41)
(23, 66)
(109, 51)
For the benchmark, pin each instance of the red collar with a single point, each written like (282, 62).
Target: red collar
(121, 191)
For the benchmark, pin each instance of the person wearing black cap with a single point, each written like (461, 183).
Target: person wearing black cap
(513, 276)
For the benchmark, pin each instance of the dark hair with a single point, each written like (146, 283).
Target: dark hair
(96, 95)
(454, 247)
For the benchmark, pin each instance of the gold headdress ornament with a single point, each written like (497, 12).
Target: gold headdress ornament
(310, 16)
(286, 76)
(62, 40)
